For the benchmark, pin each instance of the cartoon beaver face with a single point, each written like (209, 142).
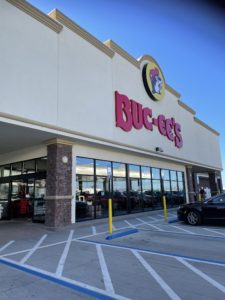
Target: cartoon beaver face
(156, 81)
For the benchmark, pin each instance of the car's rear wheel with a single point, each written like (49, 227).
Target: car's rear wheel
(194, 218)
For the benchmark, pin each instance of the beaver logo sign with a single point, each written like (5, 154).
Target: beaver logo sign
(153, 80)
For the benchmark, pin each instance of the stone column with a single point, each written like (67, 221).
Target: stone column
(58, 183)
(213, 183)
(191, 193)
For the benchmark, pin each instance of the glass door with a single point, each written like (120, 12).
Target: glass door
(19, 199)
(4, 201)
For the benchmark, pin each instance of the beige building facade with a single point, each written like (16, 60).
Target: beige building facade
(82, 121)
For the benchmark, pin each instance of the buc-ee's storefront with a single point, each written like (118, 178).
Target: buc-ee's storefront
(82, 121)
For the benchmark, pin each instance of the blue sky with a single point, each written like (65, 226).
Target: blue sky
(187, 38)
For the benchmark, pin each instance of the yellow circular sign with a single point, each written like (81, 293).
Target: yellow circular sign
(154, 81)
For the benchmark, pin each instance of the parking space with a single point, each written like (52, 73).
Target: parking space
(164, 260)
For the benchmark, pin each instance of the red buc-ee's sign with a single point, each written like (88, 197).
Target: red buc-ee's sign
(130, 113)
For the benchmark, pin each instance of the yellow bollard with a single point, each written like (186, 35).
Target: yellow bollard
(110, 215)
(164, 208)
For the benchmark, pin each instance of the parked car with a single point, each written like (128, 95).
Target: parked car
(212, 209)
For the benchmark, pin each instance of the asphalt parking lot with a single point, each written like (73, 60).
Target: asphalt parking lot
(160, 261)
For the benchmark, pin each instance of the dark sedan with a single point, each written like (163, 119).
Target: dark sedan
(212, 209)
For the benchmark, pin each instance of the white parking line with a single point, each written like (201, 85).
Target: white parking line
(28, 255)
(105, 273)
(94, 230)
(203, 275)
(172, 295)
(174, 215)
(113, 227)
(185, 230)
(62, 260)
(132, 225)
(6, 245)
(214, 231)
(152, 218)
(129, 224)
(146, 223)
(67, 280)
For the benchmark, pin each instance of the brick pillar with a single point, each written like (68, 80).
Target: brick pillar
(213, 183)
(58, 183)
(191, 193)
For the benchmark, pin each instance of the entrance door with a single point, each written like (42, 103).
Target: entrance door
(20, 198)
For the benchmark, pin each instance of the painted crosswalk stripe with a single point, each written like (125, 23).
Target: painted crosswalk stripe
(105, 273)
(182, 229)
(146, 223)
(172, 295)
(64, 255)
(104, 269)
(6, 245)
(202, 275)
(28, 255)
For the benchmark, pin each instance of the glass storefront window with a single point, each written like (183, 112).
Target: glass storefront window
(41, 164)
(119, 195)
(166, 186)
(134, 171)
(165, 174)
(155, 173)
(181, 186)
(174, 186)
(173, 175)
(4, 190)
(85, 197)
(84, 166)
(119, 169)
(103, 168)
(5, 171)
(16, 169)
(180, 176)
(39, 199)
(145, 172)
(29, 166)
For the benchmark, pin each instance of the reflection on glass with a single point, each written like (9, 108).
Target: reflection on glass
(134, 171)
(4, 191)
(85, 197)
(180, 176)
(29, 166)
(41, 164)
(145, 172)
(173, 175)
(84, 166)
(174, 186)
(165, 174)
(181, 186)
(39, 200)
(147, 194)
(135, 194)
(103, 168)
(157, 193)
(119, 195)
(16, 169)
(155, 173)
(5, 171)
(166, 186)
(103, 185)
(119, 169)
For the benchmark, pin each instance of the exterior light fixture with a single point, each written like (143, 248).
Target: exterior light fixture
(158, 149)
